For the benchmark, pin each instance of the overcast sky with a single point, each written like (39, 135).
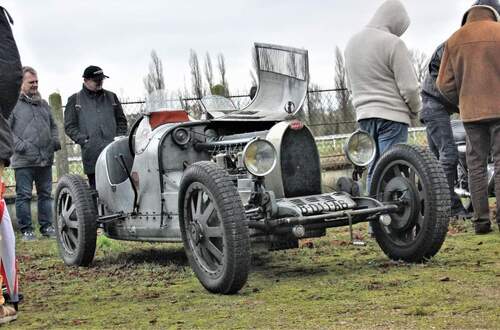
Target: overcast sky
(60, 38)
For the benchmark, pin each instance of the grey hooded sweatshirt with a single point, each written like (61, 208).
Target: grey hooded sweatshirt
(380, 75)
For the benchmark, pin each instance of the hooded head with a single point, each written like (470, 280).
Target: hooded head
(493, 5)
(391, 16)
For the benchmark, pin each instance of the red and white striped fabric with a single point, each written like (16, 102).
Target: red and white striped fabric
(8, 265)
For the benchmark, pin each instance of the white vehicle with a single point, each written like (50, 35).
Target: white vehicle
(247, 177)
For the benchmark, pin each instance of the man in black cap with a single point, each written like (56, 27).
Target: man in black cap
(93, 118)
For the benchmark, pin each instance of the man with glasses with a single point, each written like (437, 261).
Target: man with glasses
(93, 118)
(35, 140)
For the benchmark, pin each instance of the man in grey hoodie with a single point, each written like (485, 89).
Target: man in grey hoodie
(381, 78)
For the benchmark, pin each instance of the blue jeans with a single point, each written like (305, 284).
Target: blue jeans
(442, 145)
(385, 133)
(42, 176)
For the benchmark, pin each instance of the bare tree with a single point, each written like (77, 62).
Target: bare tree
(342, 95)
(315, 116)
(196, 82)
(419, 60)
(154, 79)
(209, 71)
(343, 116)
(221, 65)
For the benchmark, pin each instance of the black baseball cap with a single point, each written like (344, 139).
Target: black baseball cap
(94, 72)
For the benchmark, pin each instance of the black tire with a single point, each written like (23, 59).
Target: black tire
(220, 258)
(419, 228)
(76, 225)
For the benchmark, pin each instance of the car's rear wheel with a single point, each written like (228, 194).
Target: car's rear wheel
(76, 226)
(411, 177)
(214, 228)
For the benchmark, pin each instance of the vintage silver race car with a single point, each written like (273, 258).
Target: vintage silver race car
(241, 178)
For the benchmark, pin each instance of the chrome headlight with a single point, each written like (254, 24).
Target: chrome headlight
(259, 157)
(360, 148)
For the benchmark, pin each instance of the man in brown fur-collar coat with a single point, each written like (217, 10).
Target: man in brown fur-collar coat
(470, 78)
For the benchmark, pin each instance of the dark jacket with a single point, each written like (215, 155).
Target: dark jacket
(434, 104)
(35, 133)
(470, 70)
(10, 83)
(93, 120)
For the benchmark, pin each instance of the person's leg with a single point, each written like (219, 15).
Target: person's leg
(91, 177)
(24, 187)
(495, 150)
(386, 133)
(391, 133)
(430, 132)
(440, 137)
(370, 126)
(43, 183)
(478, 147)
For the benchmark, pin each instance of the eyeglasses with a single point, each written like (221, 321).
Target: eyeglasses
(33, 82)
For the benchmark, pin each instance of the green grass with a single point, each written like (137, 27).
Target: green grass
(326, 283)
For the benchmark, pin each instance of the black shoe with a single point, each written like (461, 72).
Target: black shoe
(6, 296)
(28, 235)
(461, 213)
(482, 228)
(49, 232)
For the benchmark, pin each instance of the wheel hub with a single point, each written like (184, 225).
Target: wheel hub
(402, 191)
(196, 232)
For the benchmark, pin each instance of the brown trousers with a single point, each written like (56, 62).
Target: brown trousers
(483, 137)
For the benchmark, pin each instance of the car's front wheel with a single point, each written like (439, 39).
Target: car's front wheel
(76, 226)
(214, 228)
(411, 177)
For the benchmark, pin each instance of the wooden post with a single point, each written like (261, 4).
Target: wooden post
(62, 163)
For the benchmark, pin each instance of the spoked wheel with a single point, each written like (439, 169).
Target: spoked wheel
(76, 226)
(412, 178)
(214, 228)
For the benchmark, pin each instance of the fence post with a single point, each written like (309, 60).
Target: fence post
(62, 164)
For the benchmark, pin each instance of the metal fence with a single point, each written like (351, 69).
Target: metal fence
(328, 113)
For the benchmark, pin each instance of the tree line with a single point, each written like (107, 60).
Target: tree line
(326, 112)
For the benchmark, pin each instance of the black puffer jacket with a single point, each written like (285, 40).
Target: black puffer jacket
(10, 83)
(35, 133)
(433, 103)
(93, 120)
